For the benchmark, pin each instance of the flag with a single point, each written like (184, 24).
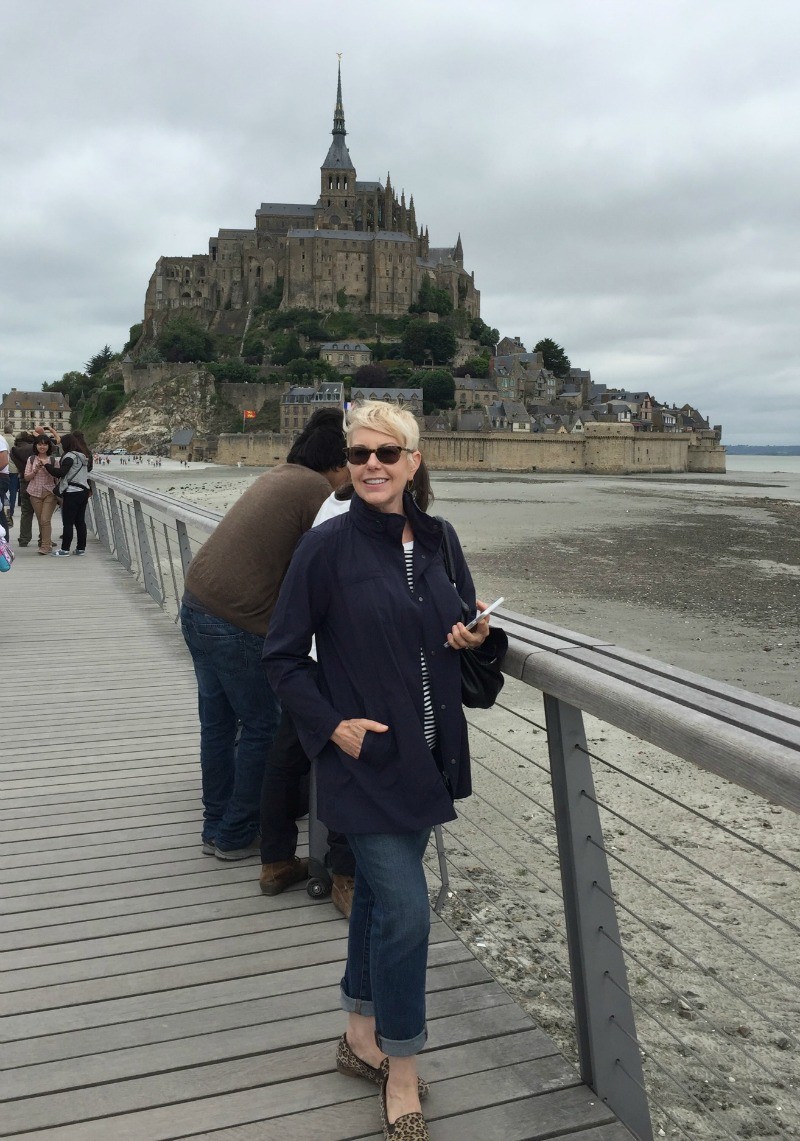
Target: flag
(249, 413)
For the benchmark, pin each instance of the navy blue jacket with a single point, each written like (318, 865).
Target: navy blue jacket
(347, 585)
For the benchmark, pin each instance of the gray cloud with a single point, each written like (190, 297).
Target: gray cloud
(624, 176)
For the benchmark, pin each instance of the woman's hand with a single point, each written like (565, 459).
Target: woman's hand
(460, 638)
(349, 735)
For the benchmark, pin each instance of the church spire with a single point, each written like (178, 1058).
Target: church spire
(338, 113)
(338, 157)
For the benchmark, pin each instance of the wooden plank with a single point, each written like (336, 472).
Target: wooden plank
(200, 1011)
(313, 1010)
(152, 991)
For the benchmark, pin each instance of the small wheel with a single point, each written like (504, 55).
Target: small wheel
(318, 889)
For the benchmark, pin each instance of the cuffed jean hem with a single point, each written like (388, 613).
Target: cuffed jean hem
(402, 1049)
(363, 1006)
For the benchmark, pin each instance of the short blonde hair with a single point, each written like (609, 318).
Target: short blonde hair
(380, 416)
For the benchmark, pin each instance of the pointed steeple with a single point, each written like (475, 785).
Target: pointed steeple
(338, 113)
(338, 157)
(458, 252)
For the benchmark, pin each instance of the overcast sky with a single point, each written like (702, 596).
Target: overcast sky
(624, 173)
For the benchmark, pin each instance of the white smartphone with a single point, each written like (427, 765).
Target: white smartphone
(483, 613)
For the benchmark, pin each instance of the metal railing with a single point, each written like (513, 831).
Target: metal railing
(672, 984)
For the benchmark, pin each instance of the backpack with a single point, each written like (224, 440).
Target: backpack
(6, 555)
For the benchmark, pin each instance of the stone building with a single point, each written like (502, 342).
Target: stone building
(357, 246)
(345, 355)
(22, 411)
(409, 398)
(299, 402)
(471, 391)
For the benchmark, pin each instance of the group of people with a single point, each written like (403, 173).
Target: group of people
(334, 549)
(39, 472)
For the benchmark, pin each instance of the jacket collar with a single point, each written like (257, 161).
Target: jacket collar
(382, 525)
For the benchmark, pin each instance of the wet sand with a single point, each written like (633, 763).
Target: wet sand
(699, 571)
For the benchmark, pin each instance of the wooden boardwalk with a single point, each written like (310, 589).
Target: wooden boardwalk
(148, 991)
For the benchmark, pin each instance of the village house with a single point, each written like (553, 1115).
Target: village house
(408, 398)
(471, 392)
(22, 411)
(299, 402)
(347, 356)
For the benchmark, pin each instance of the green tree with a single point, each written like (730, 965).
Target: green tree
(482, 333)
(183, 338)
(372, 376)
(438, 389)
(430, 299)
(99, 361)
(475, 367)
(422, 341)
(302, 370)
(234, 371)
(285, 348)
(134, 333)
(554, 357)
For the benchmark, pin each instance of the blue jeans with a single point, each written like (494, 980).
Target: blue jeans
(387, 949)
(233, 698)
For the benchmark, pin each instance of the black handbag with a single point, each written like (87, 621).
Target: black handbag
(481, 676)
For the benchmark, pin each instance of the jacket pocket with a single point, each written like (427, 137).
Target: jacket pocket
(379, 756)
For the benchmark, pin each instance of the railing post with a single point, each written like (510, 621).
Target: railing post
(610, 1061)
(99, 517)
(120, 541)
(146, 561)
(184, 546)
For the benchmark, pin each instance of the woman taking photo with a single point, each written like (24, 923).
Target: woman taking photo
(384, 719)
(39, 483)
(73, 486)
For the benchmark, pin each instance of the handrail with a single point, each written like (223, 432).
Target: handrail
(748, 740)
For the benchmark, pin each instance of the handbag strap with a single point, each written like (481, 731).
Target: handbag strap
(447, 556)
(447, 549)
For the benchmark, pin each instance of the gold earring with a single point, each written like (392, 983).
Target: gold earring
(410, 485)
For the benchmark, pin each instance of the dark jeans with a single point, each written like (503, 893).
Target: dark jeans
(13, 491)
(284, 798)
(5, 484)
(387, 947)
(73, 514)
(233, 697)
(25, 518)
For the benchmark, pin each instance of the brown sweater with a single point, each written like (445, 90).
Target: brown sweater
(238, 571)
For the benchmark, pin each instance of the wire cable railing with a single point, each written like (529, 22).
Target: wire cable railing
(673, 986)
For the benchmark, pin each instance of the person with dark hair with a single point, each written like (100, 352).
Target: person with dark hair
(72, 472)
(232, 586)
(21, 452)
(40, 474)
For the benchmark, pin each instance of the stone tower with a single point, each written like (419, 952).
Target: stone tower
(335, 209)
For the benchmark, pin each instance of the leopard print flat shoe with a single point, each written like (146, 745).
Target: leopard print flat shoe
(352, 1066)
(409, 1127)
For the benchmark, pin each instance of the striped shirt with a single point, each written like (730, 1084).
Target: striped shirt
(427, 699)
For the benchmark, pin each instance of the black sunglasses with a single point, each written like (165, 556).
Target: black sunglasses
(387, 454)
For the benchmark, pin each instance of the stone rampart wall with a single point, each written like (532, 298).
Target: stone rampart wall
(600, 453)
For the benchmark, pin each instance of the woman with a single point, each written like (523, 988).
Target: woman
(73, 485)
(40, 472)
(384, 719)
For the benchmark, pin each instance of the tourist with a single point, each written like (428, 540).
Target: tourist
(383, 716)
(40, 476)
(287, 768)
(5, 475)
(73, 486)
(232, 586)
(21, 452)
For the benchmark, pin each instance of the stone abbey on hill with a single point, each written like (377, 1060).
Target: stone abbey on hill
(358, 247)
